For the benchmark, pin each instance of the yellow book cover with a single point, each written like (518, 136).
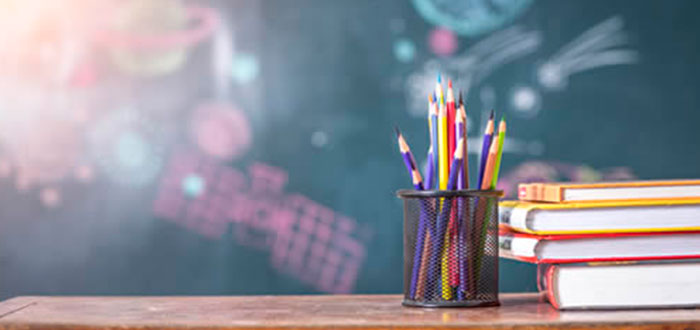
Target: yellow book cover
(521, 216)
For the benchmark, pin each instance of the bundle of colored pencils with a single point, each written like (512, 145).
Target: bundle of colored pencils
(442, 269)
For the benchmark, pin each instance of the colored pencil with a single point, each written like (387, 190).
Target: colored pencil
(441, 228)
(408, 158)
(434, 139)
(483, 212)
(490, 162)
(450, 105)
(420, 236)
(442, 145)
(462, 204)
(438, 91)
(421, 233)
(488, 134)
(499, 152)
(461, 132)
(430, 171)
(425, 257)
(450, 251)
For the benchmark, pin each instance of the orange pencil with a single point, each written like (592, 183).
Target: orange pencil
(489, 167)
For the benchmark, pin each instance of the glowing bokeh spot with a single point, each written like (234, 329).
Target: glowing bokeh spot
(471, 17)
(221, 131)
(131, 150)
(245, 68)
(404, 50)
(193, 185)
(319, 139)
(128, 147)
(84, 173)
(443, 42)
(525, 101)
(550, 75)
(50, 197)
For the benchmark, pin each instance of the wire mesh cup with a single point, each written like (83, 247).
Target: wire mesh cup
(450, 245)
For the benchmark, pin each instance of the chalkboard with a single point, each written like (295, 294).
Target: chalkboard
(247, 147)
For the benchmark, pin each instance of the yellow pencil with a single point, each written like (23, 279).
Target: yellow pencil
(442, 146)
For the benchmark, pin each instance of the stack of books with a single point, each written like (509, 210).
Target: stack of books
(608, 245)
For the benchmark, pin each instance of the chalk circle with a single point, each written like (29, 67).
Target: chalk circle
(471, 17)
(404, 50)
(442, 42)
(525, 101)
(220, 130)
(245, 68)
(150, 38)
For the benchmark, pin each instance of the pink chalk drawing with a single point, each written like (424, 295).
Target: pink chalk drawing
(443, 42)
(220, 130)
(206, 212)
(307, 240)
(541, 171)
(318, 247)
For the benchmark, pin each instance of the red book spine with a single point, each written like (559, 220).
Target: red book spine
(549, 279)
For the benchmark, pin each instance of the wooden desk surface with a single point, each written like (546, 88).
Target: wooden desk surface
(518, 311)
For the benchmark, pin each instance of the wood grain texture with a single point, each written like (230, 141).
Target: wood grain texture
(518, 311)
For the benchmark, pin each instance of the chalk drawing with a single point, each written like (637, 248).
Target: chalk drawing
(471, 17)
(306, 240)
(472, 66)
(596, 47)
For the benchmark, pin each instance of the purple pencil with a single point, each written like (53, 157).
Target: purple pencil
(420, 235)
(462, 183)
(408, 158)
(488, 134)
(430, 171)
(443, 219)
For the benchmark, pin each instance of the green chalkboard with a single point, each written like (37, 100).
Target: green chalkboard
(264, 161)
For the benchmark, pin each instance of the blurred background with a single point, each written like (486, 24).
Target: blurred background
(247, 147)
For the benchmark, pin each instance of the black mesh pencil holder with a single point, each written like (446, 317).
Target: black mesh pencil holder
(450, 245)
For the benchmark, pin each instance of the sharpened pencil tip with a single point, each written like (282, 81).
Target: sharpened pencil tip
(461, 102)
(396, 129)
(492, 113)
(449, 83)
(439, 78)
(459, 150)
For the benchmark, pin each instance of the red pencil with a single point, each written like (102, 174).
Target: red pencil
(450, 105)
